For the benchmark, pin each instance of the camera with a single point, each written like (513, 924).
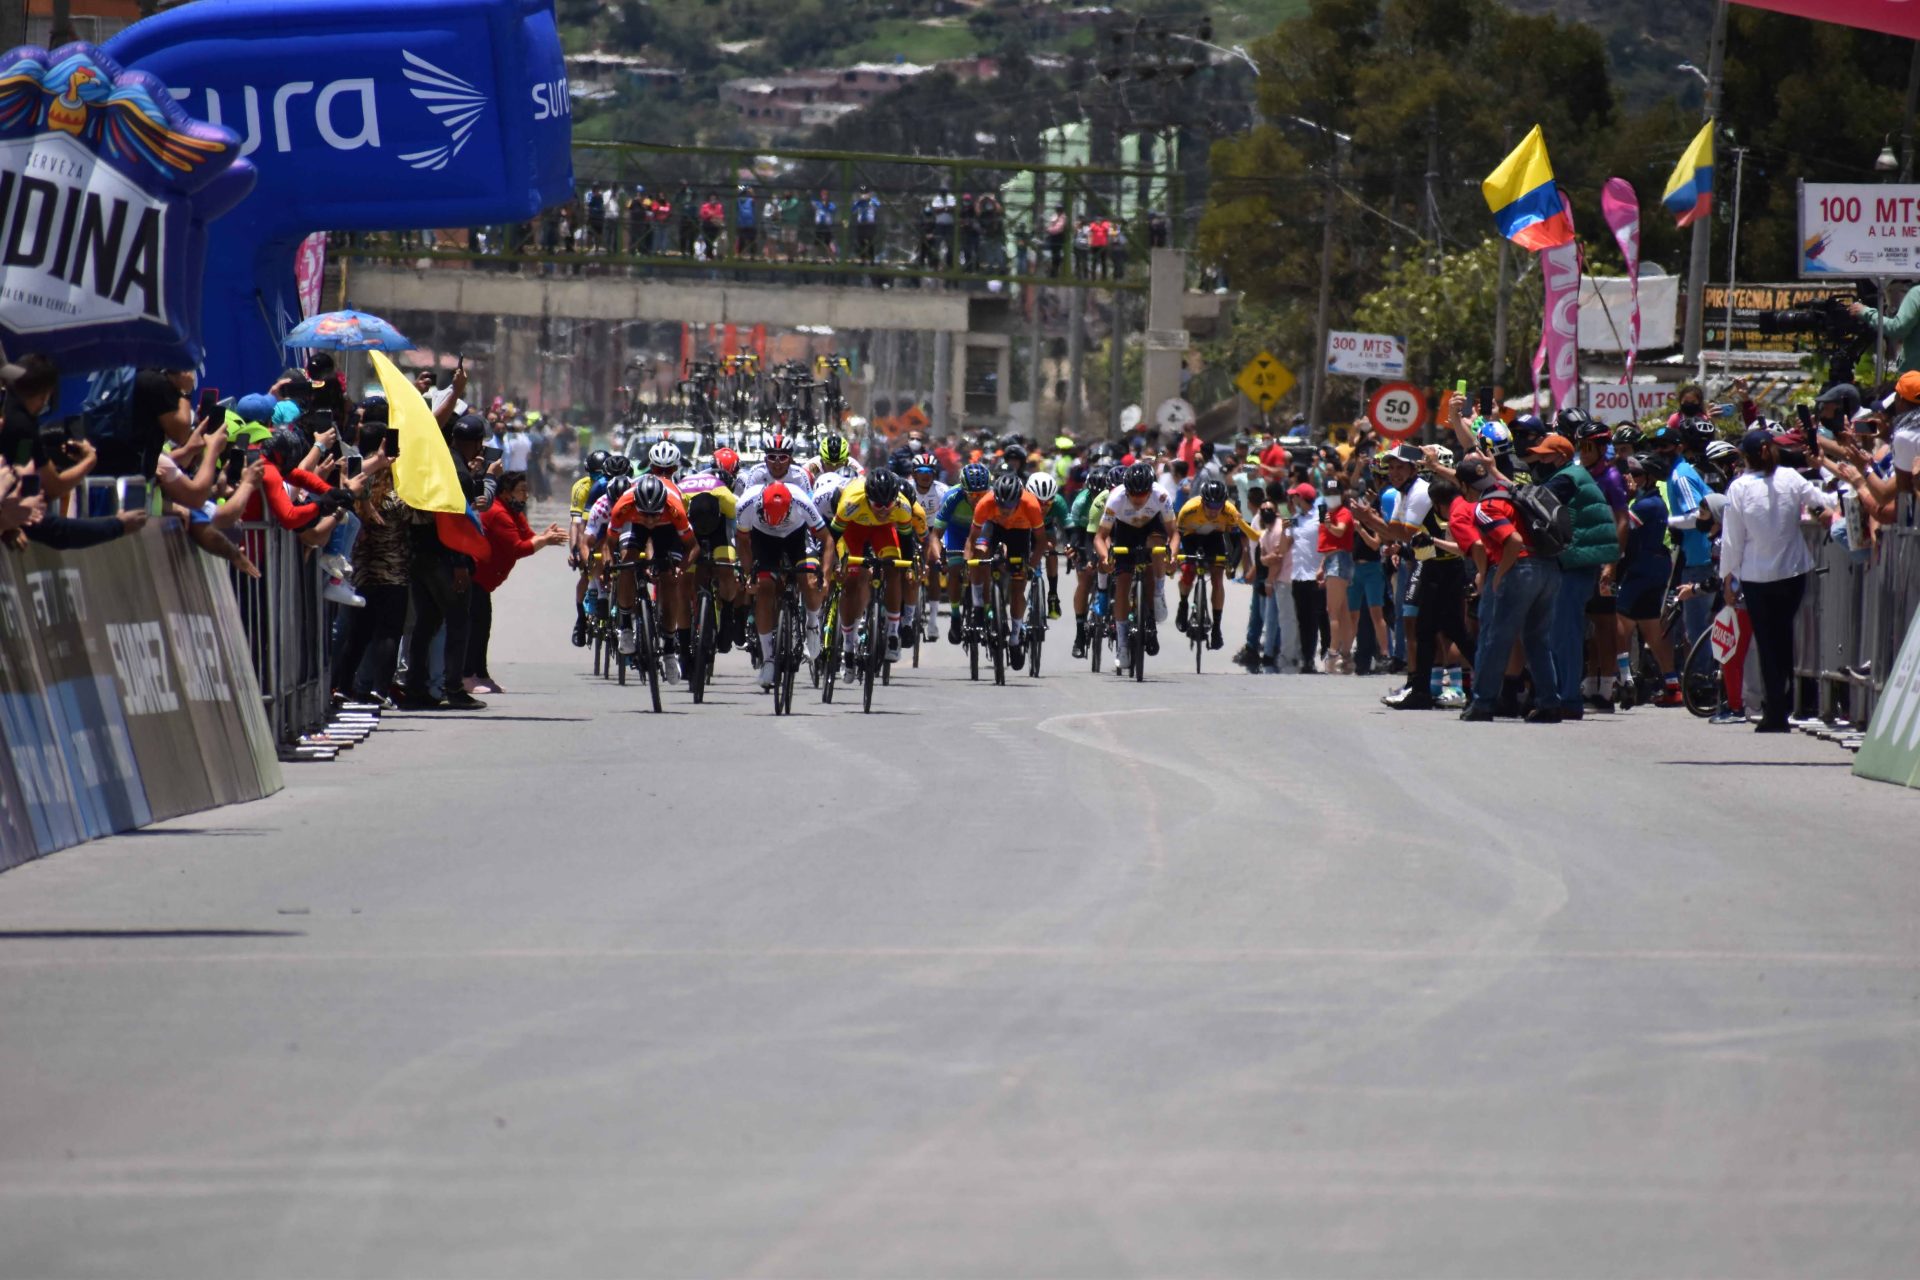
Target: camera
(1840, 337)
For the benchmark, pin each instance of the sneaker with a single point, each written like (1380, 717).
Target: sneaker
(1477, 715)
(1398, 667)
(484, 686)
(1264, 669)
(1543, 715)
(580, 632)
(1244, 657)
(1180, 617)
(410, 701)
(1018, 655)
(1451, 698)
(893, 648)
(1408, 700)
(1771, 726)
(953, 627)
(628, 641)
(1216, 641)
(1727, 715)
(461, 700)
(766, 676)
(339, 592)
(1599, 705)
(335, 566)
(813, 646)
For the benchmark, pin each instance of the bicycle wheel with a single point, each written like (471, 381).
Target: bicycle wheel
(599, 643)
(870, 651)
(1199, 625)
(702, 637)
(971, 637)
(1143, 613)
(617, 661)
(1701, 685)
(1097, 639)
(649, 651)
(786, 657)
(998, 640)
(829, 644)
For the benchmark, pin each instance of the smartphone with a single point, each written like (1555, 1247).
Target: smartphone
(1460, 387)
(1483, 401)
(490, 453)
(1805, 414)
(209, 402)
(321, 420)
(353, 466)
(390, 442)
(460, 360)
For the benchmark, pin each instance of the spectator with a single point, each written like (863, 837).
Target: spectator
(1645, 569)
(866, 224)
(824, 214)
(1517, 591)
(1595, 545)
(510, 539)
(1765, 554)
(367, 648)
(1057, 228)
(746, 227)
(1279, 620)
(1309, 594)
(1335, 544)
(713, 226)
(440, 579)
(1609, 663)
(1685, 491)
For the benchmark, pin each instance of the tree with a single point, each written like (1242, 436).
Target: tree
(1447, 314)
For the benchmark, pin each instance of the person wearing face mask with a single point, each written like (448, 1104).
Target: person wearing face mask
(1594, 550)
(510, 539)
(1335, 544)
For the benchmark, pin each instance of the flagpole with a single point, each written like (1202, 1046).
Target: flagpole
(1703, 227)
(1733, 256)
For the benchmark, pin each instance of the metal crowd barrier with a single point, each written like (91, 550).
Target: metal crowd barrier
(1853, 622)
(286, 623)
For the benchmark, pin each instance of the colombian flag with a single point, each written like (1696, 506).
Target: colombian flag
(1690, 190)
(1524, 198)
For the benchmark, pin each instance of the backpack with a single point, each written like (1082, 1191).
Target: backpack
(1547, 521)
(108, 408)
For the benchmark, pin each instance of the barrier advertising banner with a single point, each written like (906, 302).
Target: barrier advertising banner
(1859, 229)
(1891, 752)
(126, 694)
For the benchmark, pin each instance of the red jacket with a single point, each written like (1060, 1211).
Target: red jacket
(287, 513)
(509, 540)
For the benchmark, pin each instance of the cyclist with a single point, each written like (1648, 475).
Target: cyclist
(776, 464)
(772, 525)
(1046, 490)
(1012, 517)
(711, 507)
(586, 491)
(871, 519)
(1143, 511)
(663, 460)
(1203, 528)
(954, 521)
(658, 517)
(927, 494)
(836, 455)
(1080, 527)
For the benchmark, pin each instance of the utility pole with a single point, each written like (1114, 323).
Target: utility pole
(1076, 358)
(1433, 182)
(1703, 227)
(1116, 365)
(1322, 313)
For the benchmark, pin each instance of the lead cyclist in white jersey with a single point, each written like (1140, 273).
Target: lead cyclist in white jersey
(1139, 519)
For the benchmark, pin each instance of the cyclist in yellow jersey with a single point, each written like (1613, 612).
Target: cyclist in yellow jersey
(1202, 528)
(585, 490)
(870, 519)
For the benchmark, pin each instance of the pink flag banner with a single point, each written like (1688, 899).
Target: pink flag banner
(1621, 208)
(1560, 321)
(309, 269)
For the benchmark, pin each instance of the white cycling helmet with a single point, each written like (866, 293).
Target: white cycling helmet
(664, 455)
(1042, 486)
(1719, 450)
(1443, 455)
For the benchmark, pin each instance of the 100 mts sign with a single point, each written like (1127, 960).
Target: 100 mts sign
(1397, 410)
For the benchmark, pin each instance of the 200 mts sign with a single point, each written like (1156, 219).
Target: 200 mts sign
(1397, 410)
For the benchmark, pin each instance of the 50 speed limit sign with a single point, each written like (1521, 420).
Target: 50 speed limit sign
(1397, 410)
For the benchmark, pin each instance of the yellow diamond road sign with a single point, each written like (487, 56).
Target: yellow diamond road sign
(1264, 381)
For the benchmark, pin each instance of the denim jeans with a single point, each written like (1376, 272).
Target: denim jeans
(340, 541)
(1520, 607)
(1280, 646)
(1397, 632)
(1577, 587)
(1256, 618)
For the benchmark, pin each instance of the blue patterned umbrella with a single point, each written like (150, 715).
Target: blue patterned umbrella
(347, 331)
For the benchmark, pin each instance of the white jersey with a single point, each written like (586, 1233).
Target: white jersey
(852, 470)
(802, 515)
(796, 479)
(933, 499)
(827, 490)
(1121, 509)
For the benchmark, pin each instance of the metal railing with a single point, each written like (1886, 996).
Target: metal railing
(1853, 621)
(286, 623)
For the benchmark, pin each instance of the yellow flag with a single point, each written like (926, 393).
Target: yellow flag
(424, 475)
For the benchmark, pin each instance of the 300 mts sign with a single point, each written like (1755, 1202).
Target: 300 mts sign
(1397, 410)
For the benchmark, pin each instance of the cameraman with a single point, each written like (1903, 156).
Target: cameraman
(1903, 326)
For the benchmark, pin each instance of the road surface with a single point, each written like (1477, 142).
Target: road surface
(1206, 976)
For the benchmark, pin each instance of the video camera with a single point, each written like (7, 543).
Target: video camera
(1840, 337)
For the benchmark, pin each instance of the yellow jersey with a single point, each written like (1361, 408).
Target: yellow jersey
(854, 508)
(1195, 518)
(581, 497)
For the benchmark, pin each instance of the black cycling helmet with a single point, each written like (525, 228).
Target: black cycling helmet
(1007, 491)
(1698, 433)
(1139, 478)
(618, 464)
(597, 462)
(1652, 464)
(1628, 436)
(1572, 423)
(617, 488)
(1213, 493)
(1100, 477)
(650, 495)
(882, 488)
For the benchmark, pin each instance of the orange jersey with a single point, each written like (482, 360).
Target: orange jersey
(625, 513)
(1029, 514)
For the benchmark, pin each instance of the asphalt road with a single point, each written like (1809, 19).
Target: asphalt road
(1211, 976)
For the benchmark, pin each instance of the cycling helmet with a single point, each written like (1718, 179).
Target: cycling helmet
(1442, 456)
(834, 452)
(779, 446)
(975, 478)
(617, 489)
(650, 495)
(926, 462)
(1652, 464)
(1698, 433)
(776, 503)
(1627, 436)
(1100, 478)
(597, 462)
(619, 464)
(1006, 492)
(1528, 431)
(882, 488)
(1495, 435)
(1014, 458)
(1139, 478)
(1571, 422)
(1042, 486)
(1379, 463)
(1213, 493)
(725, 460)
(1593, 429)
(664, 456)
